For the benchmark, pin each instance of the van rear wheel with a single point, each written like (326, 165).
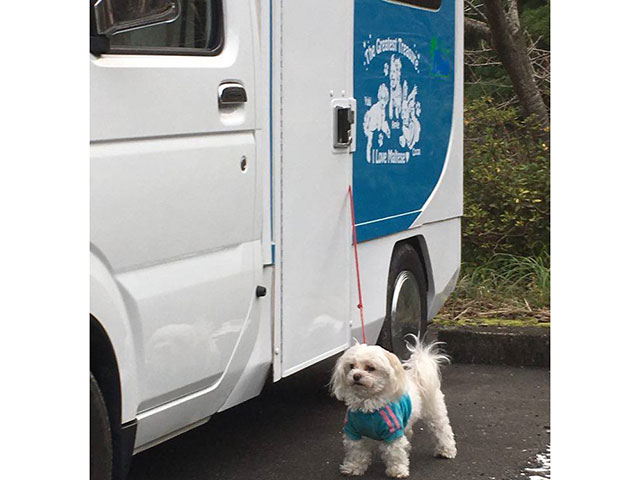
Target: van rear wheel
(101, 449)
(406, 301)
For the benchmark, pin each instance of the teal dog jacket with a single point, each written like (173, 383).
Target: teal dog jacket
(386, 423)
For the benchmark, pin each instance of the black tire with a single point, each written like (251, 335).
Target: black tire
(407, 291)
(101, 444)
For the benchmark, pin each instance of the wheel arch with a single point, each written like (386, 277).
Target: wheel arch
(376, 257)
(113, 360)
(419, 244)
(416, 244)
(111, 324)
(438, 247)
(104, 367)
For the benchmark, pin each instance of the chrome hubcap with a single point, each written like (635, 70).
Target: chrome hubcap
(406, 311)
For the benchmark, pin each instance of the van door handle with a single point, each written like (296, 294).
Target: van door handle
(231, 93)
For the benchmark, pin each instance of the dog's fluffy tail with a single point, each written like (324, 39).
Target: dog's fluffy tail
(424, 366)
(424, 363)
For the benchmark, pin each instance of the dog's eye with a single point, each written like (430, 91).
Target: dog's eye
(351, 366)
(369, 368)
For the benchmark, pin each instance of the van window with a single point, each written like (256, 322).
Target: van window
(430, 4)
(196, 31)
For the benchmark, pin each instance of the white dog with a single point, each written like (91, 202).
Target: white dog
(384, 400)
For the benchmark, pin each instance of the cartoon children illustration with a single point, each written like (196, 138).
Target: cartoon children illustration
(410, 112)
(375, 119)
(395, 105)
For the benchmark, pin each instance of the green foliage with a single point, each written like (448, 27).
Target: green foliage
(536, 19)
(487, 81)
(506, 185)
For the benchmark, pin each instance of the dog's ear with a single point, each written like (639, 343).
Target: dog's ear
(397, 376)
(338, 379)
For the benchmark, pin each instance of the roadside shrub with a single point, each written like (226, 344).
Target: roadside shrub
(506, 185)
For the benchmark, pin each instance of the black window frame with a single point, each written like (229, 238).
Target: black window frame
(433, 5)
(101, 44)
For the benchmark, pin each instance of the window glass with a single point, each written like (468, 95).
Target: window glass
(112, 16)
(430, 4)
(197, 28)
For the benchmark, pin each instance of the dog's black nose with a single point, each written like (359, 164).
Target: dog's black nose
(357, 377)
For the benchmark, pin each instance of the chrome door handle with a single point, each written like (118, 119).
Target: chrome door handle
(231, 93)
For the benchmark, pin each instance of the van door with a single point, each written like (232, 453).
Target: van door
(314, 76)
(174, 189)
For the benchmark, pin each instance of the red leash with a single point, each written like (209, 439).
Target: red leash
(355, 249)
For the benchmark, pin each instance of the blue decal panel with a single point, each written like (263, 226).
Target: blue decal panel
(403, 83)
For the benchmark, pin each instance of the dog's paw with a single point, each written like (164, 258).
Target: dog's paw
(397, 471)
(445, 451)
(352, 469)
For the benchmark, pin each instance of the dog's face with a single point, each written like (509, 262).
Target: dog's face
(364, 372)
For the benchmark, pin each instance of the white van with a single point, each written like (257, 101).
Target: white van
(225, 135)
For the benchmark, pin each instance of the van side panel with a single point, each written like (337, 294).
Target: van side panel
(404, 83)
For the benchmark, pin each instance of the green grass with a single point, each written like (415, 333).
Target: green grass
(509, 276)
(505, 287)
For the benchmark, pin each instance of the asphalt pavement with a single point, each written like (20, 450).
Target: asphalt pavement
(499, 414)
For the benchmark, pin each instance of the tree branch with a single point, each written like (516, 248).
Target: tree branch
(476, 27)
(512, 13)
(475, 8)
(510, 45)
